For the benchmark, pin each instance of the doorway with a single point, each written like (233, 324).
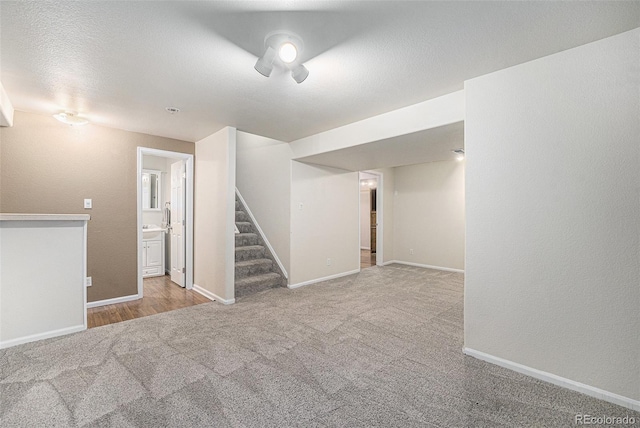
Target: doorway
(165, 217)
(370, 219)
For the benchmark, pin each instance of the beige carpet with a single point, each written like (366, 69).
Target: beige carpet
(381, 348)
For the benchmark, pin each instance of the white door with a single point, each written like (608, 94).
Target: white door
(178, 176)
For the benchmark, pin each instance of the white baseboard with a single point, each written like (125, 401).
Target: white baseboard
(326, 278)
(556, 380)
(41, 336)
(211, 296)
(112, 301)
(424, 266)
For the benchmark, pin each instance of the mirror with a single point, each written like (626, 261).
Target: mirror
(151, 190)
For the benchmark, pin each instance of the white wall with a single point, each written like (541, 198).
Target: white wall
(365, 219)
(263, 177)
(553, 215)
(429, 214)
(327, 224)
(42, 272)
(214, 252)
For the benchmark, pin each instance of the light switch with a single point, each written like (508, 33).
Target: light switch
(87, 203)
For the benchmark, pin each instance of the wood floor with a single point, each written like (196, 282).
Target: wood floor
(160, 295)
(367, 259)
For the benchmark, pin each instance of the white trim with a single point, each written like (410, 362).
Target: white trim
(41, 336)
(113, 301)
(84, 274)
(189, 209)
(211, 296)
(424, 266)
(264, 237)
(326, 278)
(360, 220)
(365, 248)
(556, 380)
(45, 217)
(379, 217)
(189, 206)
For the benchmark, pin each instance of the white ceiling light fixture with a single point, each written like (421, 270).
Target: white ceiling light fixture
(70, 118)
(459, 154)
(282, 48)
(264, 65)
(288, 52)
(299, 73)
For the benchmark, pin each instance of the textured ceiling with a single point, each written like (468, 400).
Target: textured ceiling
(121, 63)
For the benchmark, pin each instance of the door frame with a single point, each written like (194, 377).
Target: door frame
(379, 217)
(188, 214)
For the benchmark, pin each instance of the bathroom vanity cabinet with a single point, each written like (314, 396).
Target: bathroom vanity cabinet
(153, 256)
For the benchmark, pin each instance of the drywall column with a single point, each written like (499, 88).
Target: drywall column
(263, 177)
(553, 217)
(215, 182)
(324, 223)
(43, 265)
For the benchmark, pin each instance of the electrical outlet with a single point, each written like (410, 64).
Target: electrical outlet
(87, 281)
(87, 204)
(410, 250)
(328, 262)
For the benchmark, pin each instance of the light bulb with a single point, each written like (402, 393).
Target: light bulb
(288, 52)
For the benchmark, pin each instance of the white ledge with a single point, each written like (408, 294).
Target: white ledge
(44, 217)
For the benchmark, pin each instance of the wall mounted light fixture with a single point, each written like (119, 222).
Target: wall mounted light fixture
(459, 154)
(70, 118)
(282, 48)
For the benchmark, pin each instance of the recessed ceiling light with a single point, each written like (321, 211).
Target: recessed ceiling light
(172, 110)
(288, 52)
(70, 118)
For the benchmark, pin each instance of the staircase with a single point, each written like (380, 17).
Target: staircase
(256, 268)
